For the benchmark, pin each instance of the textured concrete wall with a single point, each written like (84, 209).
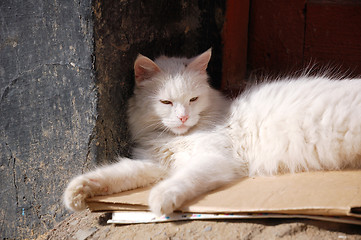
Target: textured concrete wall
(57, 117)
(47, 109)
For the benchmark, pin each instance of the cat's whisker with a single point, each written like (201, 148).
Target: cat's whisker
(151, 127)
(165, 129)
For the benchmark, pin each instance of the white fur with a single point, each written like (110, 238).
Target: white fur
(291, 125)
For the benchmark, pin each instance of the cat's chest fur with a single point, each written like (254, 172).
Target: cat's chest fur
(171, 152)
(176, 152)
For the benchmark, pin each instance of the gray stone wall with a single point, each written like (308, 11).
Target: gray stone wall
(47, 109)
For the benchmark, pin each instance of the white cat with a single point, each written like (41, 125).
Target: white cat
(190, 139)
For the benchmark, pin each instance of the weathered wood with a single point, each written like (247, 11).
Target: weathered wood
(276, 36)
(333, 35)
(286, 37)
(235, 36)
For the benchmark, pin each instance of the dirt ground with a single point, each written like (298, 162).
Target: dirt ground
(87, 225)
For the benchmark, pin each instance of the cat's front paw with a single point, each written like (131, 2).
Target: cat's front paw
(164, 199)
(79, 189)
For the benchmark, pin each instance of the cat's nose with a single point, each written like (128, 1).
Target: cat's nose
(184, 118)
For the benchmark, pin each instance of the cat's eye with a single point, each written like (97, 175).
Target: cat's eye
(166, 102)
(193, 99)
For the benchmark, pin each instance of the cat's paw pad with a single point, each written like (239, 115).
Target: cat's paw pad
(81, 188)
(163, 200)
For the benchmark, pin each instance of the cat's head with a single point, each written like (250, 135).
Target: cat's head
(176, 90)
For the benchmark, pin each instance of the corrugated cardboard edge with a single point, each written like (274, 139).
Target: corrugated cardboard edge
(317, 193)
(98, 206)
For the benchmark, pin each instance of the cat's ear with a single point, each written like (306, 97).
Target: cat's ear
(200, 63)
(144, 69)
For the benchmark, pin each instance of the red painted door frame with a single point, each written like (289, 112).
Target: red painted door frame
(278, 37)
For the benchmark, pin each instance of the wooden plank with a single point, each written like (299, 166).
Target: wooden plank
(276, 35)
(333, 34)
(235, 35)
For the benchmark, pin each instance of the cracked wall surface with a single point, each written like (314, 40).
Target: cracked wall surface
(47, 109)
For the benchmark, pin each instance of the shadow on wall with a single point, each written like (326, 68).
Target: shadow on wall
(123, 29)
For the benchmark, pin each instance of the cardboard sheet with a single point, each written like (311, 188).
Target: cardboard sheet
(135, 217)
(336, 193)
